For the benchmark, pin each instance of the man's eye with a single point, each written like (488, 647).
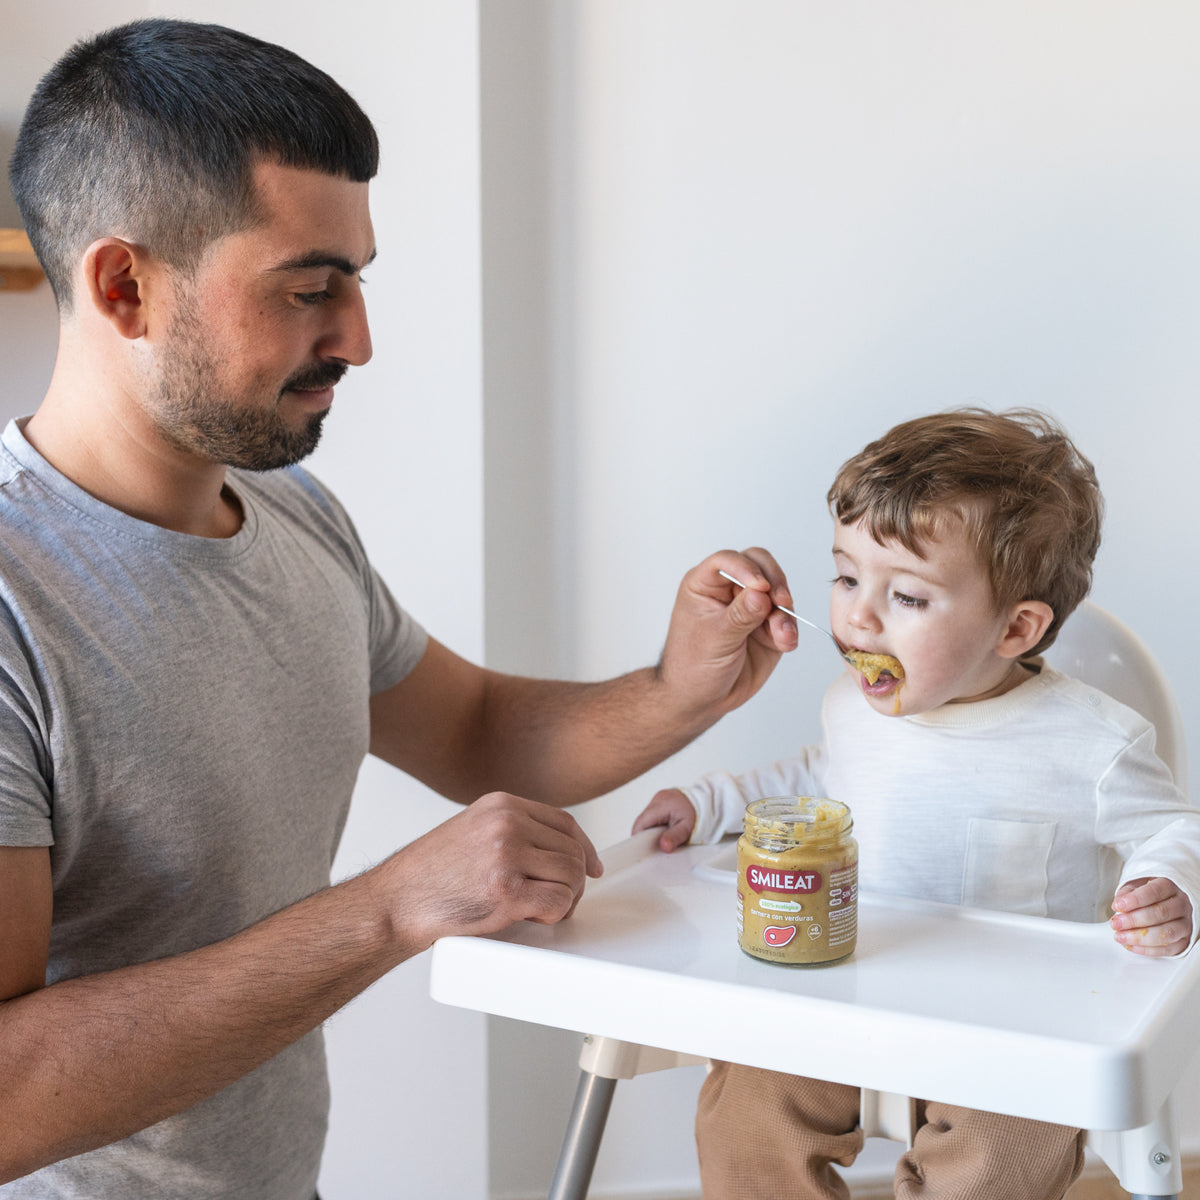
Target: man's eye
(908, 601)
(314, 297)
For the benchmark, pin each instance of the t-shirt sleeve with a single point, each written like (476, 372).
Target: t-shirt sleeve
(25, 784)
(397, 640)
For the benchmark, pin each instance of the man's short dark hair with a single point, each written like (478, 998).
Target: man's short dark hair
(151, 131)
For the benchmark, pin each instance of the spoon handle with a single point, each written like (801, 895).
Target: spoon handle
(798, 617)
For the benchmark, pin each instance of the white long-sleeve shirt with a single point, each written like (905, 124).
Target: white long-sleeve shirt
(1043, 800)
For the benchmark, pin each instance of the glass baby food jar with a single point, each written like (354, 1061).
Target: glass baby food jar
(797, 881)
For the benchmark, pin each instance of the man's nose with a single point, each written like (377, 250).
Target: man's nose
(350, 338)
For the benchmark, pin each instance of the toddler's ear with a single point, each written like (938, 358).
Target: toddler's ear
(1028, 621)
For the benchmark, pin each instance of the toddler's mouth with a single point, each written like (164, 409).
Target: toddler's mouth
(881, 675)
(878, 670)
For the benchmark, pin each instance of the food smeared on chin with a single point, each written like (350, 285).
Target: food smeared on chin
(872, 666)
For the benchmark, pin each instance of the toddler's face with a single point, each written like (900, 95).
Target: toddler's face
(936, 614)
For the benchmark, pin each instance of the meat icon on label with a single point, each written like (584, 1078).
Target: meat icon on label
(778, 935)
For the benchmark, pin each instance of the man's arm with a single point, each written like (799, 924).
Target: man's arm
(465, 730)
(89, 1061)
(25, 905)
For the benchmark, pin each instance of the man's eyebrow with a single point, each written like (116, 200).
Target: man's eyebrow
(319, 258)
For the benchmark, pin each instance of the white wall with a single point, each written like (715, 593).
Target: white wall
(760, 234)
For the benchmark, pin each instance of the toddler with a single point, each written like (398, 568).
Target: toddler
(976, 775)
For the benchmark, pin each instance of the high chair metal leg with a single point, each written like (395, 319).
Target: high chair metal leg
(602, 1062)
(581, 1142)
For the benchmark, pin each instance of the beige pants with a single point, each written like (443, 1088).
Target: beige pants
(766, 1136)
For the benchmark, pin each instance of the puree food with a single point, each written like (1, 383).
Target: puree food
(871, 666)
(874, 665)
(797, 881)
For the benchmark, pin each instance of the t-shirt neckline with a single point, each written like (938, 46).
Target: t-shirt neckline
(121, 524)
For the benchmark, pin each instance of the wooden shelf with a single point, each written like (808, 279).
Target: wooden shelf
(19, 270)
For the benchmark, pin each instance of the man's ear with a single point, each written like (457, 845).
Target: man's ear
(115, 280)
(1028, 621)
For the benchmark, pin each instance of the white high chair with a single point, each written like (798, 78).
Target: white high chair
(1099, 649)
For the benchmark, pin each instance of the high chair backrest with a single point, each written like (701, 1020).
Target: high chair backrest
(1096, 647)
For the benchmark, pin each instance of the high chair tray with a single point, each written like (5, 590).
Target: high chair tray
(1023, 1015)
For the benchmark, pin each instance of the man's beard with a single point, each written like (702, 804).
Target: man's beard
(220, 429)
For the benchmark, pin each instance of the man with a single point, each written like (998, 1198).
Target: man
(195, 654)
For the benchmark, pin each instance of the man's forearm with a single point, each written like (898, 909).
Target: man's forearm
(89, 1061)
(563, 743)
(566, 742)
(464, 730)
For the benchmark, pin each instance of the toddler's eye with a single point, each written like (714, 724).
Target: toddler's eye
(846, 581)
(908, 601)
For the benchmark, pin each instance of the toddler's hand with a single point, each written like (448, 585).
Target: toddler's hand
(672, 809)
(1152, 916)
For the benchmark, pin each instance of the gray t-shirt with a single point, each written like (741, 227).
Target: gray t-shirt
(182, 720)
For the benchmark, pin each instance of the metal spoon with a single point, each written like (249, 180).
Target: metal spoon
(798, 617)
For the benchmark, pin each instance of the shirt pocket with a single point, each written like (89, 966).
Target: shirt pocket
(1006, 865)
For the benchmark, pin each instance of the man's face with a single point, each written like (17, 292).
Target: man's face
(268, 323)
(936, 614)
